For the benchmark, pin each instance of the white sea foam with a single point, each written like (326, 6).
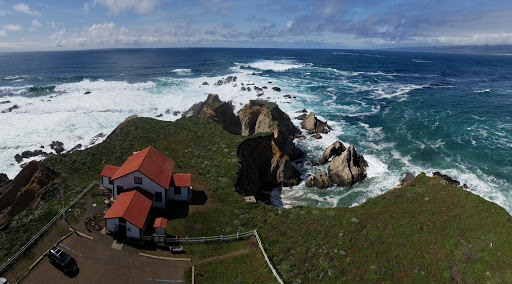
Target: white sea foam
(182, 72)
(483, 91)
(276, 65)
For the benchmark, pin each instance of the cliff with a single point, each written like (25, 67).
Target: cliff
(263, 166)
(18, 194)
(216, 110)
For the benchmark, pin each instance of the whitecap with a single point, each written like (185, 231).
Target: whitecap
(276, 65)
(182, 72)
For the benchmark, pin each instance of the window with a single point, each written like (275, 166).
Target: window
(137, 180)
(158, 197)
(110, 181)
(177, 190)
(119, 189)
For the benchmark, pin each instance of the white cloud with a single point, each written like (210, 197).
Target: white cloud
(24, 8)
(36, 23)
(86, 7)
(3, 33)
(117, 6)
(4, 12)
(11, 28)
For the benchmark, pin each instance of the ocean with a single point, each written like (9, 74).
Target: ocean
(404, 111)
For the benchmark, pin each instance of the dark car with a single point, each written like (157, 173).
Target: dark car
(62, 260)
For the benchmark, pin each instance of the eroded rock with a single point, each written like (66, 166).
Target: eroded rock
(319, 180)
(335, 149)
(348, 168)
(313, 125)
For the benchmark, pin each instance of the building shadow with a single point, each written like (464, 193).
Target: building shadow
(198, 197)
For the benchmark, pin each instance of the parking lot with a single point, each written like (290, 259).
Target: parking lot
(98, 262)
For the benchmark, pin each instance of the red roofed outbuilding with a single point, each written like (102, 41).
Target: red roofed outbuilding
(129, 214)
(160, 225)
(106, 175)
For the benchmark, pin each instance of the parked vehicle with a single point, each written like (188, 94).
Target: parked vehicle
(62, 260)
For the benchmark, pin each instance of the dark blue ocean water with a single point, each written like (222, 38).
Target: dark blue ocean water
(405, 112)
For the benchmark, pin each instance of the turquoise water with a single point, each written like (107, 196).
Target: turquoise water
(405, 112)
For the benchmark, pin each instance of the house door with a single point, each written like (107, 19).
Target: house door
(121, 232)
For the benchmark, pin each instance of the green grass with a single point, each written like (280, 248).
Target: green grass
(425, 232)
(269, 105)
(215, 105)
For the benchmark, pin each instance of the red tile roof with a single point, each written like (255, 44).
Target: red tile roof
(160, 222)
(181, 179)
(151, 163)
(109, 171)
(132, 205)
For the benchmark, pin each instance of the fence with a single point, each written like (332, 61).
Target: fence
(221, 238)
(36, 236)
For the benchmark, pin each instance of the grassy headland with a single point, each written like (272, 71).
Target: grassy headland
(426, 231)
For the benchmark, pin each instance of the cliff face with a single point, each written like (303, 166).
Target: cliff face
(18, 194)
(259, 116)
(215, 109)
(263, 166)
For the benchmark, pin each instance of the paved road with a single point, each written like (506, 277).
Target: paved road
(99, 263)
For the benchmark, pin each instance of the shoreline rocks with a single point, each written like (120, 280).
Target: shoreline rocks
(319, 180)
(348, 168)
(314, 125)
(335, 149)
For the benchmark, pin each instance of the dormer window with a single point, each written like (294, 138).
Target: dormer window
(137, 180)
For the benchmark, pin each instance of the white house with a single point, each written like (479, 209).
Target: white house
(129, 215)
(150, 171)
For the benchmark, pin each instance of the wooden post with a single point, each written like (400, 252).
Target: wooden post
(193, 274)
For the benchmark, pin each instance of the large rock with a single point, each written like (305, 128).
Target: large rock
(348, 168)
(319, 180)
(221, 112)
(261, 116)
(18, 194)
(313, 125)
(335, 149)
(263, 166)
(29, 154)
(57, 146)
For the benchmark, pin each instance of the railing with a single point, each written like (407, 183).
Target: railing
(36, 236)
(222, 238)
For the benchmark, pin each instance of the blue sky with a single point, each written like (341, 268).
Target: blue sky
(64, 25)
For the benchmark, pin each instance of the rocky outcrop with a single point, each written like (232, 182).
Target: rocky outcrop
(18, 194)
(319, 180)
(57, 146)
(335, 149)
(227, 80)
(215, 109)
(348, 168)
(261, 116)
(450, 180)
(408, 177)
(313, 125)
(264, 166)
(29, 154)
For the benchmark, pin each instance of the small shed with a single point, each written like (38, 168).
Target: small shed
(160, 225)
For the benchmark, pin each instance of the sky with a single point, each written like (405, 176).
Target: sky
(360, 24)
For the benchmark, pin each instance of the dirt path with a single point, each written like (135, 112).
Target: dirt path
(227, 255)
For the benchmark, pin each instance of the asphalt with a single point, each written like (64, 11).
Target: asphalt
(98, 262)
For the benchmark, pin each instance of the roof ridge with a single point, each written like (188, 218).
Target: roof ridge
(145, 156)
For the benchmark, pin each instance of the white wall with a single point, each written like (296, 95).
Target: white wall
(132, 231)
(182, 197)
(111, 223)
(105, 182)
(160, 231)
(128, 182)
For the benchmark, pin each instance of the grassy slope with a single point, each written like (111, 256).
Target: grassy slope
(427, 231)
